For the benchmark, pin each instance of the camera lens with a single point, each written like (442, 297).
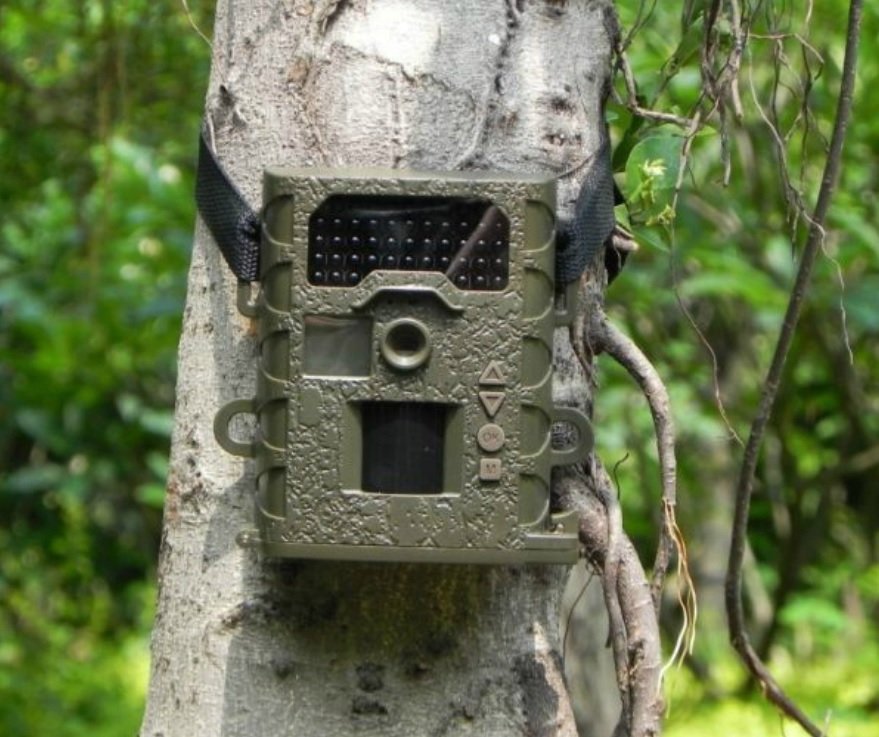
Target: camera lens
(406, 344)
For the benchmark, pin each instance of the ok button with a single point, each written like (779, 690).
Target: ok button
(491, 437)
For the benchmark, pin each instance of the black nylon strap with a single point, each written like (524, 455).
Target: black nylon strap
(233, 223)
(581, 238)
(236, 226)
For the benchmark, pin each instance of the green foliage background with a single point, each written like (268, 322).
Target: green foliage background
(99, 111)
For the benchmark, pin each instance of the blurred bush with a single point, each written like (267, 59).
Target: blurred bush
(97, 130)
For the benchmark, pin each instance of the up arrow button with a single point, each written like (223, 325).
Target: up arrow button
(493, 375)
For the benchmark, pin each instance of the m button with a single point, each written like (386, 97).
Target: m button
(490, 469)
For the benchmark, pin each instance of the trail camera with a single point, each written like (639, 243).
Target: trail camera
(403, 403)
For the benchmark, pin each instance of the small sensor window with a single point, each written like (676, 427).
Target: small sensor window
(337, 346)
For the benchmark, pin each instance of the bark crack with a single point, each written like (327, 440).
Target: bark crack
(327, 12)
(490, 103)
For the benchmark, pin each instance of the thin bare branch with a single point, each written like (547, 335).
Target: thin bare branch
(610, 576)
(640, 20)
(194, 25)
(631, 101)
(570, 616)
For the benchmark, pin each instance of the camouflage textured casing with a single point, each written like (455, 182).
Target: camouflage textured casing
(403, 401)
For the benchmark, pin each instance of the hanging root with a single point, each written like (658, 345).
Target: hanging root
(631, 600)
(634, 630)
(604, 337)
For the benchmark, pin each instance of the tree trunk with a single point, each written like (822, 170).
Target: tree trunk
(589, 664)
(247, 646)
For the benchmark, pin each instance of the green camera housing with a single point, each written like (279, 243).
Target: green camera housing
(404, 394)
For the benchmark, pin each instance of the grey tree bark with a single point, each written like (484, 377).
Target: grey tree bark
(244, 646)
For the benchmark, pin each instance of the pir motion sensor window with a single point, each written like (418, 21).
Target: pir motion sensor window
(466, 239)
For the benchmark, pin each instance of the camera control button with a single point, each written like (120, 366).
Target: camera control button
(491, 402)
(490, 469)
(491, 437)
(493, 375)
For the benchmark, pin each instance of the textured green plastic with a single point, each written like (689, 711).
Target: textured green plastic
(485, 356)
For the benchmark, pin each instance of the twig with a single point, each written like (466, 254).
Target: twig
(640, 19)
(194, 24)
(703, 339)
(610, 576)
(733, 589)
(570, 616)
(715, 87)
(605, 337)
(631, 101)
(693, 129)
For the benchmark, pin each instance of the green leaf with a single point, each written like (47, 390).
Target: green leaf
(34, 479)
(654, 236)
(862, 303)
(160, 422)
(151, 495)
(651, 175)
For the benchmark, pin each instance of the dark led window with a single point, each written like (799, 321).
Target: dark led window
(466, 239)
